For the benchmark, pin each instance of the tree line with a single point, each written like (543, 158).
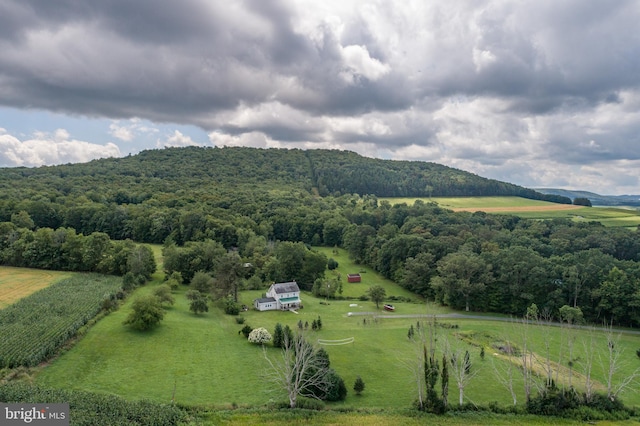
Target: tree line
(64, 249)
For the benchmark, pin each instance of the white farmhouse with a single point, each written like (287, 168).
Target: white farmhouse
(280, 296)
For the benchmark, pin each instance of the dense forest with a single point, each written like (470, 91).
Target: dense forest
(270, 206)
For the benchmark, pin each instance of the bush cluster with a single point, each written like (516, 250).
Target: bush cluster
(571, 404)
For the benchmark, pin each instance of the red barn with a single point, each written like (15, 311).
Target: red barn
(353, 278)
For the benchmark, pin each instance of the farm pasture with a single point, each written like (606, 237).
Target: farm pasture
(534, 209)
(202, 360)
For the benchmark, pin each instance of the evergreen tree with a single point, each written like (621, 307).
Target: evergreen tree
(445, 381)
(278, 336)
(358, 386)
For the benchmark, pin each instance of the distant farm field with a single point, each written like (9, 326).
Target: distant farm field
(533, 209)
(16, 283)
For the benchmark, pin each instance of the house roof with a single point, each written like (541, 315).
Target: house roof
(291, 287)
(266, 299)
(289, 299)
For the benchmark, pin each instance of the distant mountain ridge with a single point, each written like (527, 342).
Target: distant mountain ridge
(596, 199)
(328, 172)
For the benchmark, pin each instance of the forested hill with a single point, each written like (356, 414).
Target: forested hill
(331, 172)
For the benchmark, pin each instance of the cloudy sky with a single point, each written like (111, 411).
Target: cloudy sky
(541, 93)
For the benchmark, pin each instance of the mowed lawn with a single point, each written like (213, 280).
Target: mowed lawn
(368, 276)
(16, 283)
(202, 360)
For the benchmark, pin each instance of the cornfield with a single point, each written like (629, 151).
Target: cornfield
(34, 328)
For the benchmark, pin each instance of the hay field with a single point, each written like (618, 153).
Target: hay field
(16, 283)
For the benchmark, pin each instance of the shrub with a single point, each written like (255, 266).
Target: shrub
(147, 313)
(231, 307)
(308, 404)
(358, 386)
(163, 292)
(332, 264)
(259, 336)
(198, 302)
(246, 330)
(337, 390)
(240, 320)
(109, 304)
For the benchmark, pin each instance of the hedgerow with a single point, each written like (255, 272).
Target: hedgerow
(35, 327)
(88, 408)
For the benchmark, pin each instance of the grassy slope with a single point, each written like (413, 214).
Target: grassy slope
(16, 283)
(204, 360)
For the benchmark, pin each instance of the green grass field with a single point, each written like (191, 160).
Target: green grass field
(533, 209)
(202, 360)
(369, 277)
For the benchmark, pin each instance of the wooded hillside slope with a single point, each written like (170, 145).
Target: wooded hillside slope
(132, 179)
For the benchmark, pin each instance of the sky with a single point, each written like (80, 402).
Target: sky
(540, 93)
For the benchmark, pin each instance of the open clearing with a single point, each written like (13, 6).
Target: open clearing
(16, 283)
(533, 209)
(202, 360)
(555, 207)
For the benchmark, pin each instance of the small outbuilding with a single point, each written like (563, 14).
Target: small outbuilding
(265, 304)
(354, 278)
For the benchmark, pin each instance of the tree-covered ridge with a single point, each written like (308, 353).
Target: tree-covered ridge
(175, 170)
(339, 172)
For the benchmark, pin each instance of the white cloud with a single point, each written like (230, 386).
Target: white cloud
(250, 139)
(120, 132)
(128, 131)
(177, 139)
(50, 149)
(359, 63)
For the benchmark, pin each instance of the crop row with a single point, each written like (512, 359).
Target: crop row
(35, 327)
(91, 409)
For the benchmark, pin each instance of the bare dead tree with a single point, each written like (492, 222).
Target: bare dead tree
(613, 363)
(569, 318)
(505, 373)
(587, 364)
(460, 368)
(298, 370)
(526, 359)
(544, 320)
(425, 338)
(415, 365)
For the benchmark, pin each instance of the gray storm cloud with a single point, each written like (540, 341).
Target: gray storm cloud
(489, 86)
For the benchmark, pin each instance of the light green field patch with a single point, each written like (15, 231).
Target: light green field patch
(470, 202)
(534, 209)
